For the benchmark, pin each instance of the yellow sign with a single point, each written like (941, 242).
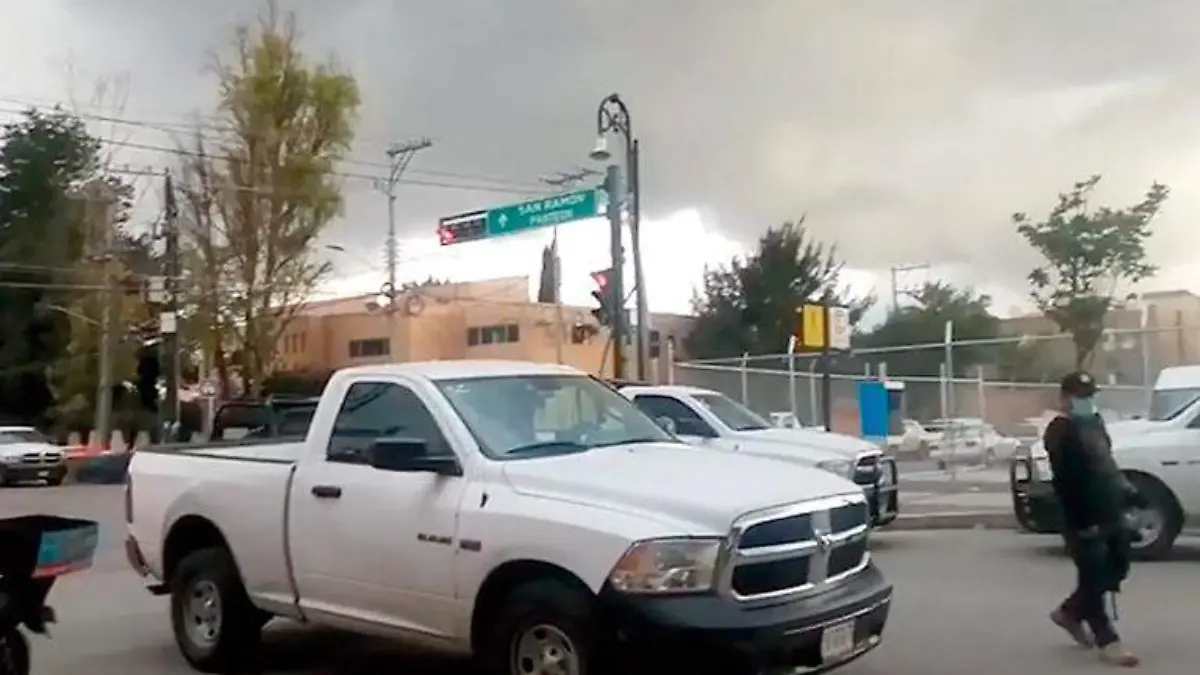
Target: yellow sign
(812, 326)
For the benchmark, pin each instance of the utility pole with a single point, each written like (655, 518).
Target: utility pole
(562, 181)
(399, 155)
(612, 184)
(169, 318)
(639, 278)
(826, 364)
(910, 291)
(100, 206)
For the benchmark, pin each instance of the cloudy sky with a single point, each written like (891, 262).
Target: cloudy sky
(908, 131)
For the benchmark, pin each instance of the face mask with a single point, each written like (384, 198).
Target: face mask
(1083, 407)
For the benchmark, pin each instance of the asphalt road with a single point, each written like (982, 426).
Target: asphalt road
(965, 601)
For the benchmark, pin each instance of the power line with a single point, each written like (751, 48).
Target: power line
(170, 128)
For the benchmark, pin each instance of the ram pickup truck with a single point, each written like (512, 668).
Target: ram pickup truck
(1160, 455)
(523, 514)
(712, 420)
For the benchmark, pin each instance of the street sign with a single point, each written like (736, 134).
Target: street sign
(812, 326)
(839, 328)
(543, 213)
(822, 327)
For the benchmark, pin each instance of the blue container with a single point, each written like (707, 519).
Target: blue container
(43, 546)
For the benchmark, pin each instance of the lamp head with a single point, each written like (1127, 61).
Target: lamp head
(600, 153)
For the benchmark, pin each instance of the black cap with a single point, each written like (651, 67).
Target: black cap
(1078, 384)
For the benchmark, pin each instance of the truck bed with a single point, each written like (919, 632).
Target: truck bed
(242, 487)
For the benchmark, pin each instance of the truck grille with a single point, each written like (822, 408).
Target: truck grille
(41, 458)
(796, 549)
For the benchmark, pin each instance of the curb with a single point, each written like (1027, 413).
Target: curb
(955, 520)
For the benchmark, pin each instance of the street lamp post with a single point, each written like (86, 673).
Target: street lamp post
(613, 117)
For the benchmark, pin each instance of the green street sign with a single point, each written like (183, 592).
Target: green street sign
(541, 213)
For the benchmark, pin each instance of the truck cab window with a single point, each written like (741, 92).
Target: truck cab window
(687, 421)
(373, 410)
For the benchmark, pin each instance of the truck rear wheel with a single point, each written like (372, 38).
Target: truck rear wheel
(216, 626)
(544, 626)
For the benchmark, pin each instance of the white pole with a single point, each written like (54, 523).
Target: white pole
(791, 354)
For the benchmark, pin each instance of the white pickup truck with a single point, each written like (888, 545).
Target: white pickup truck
(711, 419)
(525, 514)
(1160, 455)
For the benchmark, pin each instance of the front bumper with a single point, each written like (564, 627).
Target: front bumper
(1034, 503)
(708, 633)
(16, 473)
(883, 495)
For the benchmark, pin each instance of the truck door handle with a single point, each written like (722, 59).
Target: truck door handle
(327, 491)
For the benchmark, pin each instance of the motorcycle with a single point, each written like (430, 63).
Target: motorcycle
(34, 551)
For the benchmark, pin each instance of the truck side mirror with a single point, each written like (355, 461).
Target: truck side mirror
(410, 455)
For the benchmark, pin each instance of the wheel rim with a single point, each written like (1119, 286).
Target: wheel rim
(544, 650)
(202, 612)
(1149, 524)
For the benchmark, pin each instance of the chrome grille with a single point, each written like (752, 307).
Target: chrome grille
(796, 549)
(31, 458)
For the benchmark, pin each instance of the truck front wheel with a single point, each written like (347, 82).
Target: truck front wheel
(1159, 524)
(216, 626)
(544, 626)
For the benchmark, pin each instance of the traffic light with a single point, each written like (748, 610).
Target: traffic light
(603, 294)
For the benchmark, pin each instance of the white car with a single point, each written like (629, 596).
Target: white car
(969, 441)
(710, 419)
(524, 514)
(913, 439)
(1161, 457)
(27, 455)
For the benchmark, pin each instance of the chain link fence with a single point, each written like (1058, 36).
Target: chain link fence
(1005, 381)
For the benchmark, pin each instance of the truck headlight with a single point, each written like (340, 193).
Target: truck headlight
(664, 566)
(10, 459)
(842, 467)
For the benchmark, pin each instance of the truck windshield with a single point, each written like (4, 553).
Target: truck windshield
(1166, 404)
(731, 413)
(526, 416)
(11, 436)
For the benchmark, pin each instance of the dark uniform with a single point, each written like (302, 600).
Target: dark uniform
(1095, 497)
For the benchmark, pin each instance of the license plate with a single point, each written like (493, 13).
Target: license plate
(837, 641)
(43, 474)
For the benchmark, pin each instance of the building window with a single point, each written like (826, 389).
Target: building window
(360, 349)
(493, 335)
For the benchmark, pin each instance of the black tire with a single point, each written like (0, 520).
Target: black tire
(55, 480)
(1159, 499)
(544, 603)
(237, 634)
(3, 478)
(14, 653)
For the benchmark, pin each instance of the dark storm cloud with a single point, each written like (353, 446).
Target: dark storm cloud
(908, 130)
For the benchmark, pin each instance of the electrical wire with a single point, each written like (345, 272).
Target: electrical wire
(517, 187)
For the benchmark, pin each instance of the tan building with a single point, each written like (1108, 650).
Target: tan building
(475, 320)
(1128, 353)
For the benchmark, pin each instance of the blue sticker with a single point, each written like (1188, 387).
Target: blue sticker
(68, 548)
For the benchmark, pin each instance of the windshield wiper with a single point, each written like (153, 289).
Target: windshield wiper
(634, 441)
(547, 447)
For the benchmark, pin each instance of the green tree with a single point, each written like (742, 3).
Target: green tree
(45, 157)
(260, 194)
(749, 304)
(1089, 255)
(925, 322)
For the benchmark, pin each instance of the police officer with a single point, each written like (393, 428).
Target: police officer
(1095, 497)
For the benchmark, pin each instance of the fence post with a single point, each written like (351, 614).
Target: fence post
(812, 392)
(942, 386)
(745, 378)
(670, 344)
(791, 362)
(982, 391)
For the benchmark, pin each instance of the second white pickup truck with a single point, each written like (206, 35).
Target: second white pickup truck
(525, 514)
(710, 419)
